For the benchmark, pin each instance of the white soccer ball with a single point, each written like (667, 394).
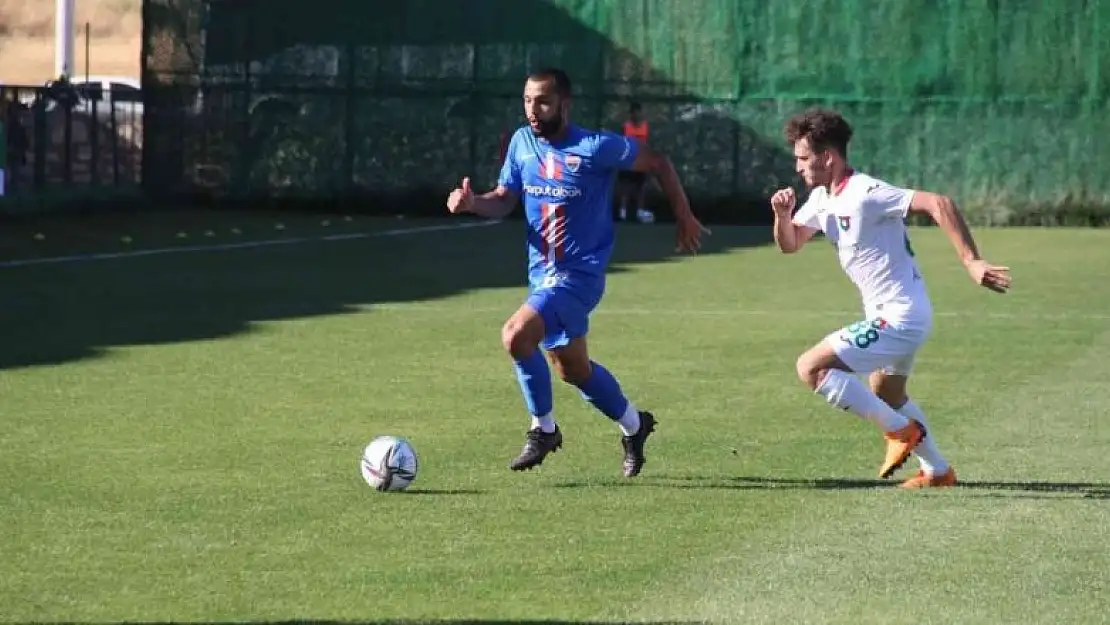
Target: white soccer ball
(389, 463)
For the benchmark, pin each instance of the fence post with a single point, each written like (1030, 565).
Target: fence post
(3, 156)
(94, 144)
(115, 143)
(349, 137)
(41, 133)
(474, 101)
(67, 137)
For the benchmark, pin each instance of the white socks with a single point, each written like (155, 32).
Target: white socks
(545, 423)
(927, 453)
(845, 391)
(630, 422)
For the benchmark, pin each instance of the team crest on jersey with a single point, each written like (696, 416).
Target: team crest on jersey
(844, 221)
(573, 162)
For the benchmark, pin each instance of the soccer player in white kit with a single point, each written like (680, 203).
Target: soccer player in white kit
(863, 218)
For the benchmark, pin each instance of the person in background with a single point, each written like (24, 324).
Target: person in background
(634, 183)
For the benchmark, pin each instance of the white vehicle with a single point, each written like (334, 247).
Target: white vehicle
(122, 95)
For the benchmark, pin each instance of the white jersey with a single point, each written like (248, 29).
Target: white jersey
(865, 221)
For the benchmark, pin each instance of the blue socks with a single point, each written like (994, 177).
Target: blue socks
(535, 383)
(603, 391)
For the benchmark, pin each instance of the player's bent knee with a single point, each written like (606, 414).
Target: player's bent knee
(809, 371)
(814, 365)
(519, 338)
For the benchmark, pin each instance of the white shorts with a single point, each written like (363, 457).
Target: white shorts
(875, 344)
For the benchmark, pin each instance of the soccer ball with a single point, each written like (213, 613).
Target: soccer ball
(389, 463)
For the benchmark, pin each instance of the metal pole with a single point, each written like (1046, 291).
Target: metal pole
(64, 36)
(88, 48)
(3, 149)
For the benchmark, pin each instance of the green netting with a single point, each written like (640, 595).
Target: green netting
(998, 102)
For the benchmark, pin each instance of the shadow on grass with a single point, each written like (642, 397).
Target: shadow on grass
(397, 622)
(63, 312)
(1030, 489)
(411, 492)
(407, 133)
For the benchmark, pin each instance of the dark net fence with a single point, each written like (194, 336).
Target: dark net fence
(1001, 103)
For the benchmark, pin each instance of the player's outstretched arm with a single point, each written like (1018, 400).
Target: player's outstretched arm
(492, 205)
(495, 204)
(942, 210)
(651, 161)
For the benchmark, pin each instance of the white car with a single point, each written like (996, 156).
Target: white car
(122, 95)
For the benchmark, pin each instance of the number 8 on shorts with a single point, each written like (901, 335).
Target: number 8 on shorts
(874, 344)
(864, 333)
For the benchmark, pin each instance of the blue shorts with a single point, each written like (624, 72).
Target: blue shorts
(565, 305)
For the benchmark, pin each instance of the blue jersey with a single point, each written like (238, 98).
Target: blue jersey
(567, 188)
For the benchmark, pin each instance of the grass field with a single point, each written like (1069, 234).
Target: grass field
(181, 436)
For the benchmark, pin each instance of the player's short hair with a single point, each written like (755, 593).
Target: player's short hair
(557, 76)
(634, 107)
(825, 128)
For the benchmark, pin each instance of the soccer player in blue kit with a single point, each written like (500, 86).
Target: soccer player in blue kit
(566, 174)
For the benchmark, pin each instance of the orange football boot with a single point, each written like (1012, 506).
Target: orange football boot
(899, 446)
(924, 480)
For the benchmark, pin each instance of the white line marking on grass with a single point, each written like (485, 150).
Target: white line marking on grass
(424, 306)
(739, 312)
(222, 247)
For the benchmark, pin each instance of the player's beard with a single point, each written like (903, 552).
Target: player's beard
(548, 128)
(818, 178)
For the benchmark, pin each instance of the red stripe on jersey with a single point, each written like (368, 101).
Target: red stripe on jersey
(545, 226)
(552, 167)
(559, 231)
(553, 232)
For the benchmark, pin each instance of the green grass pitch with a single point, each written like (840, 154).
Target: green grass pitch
(181, 433)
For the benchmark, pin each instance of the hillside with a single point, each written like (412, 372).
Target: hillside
(27, 39)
